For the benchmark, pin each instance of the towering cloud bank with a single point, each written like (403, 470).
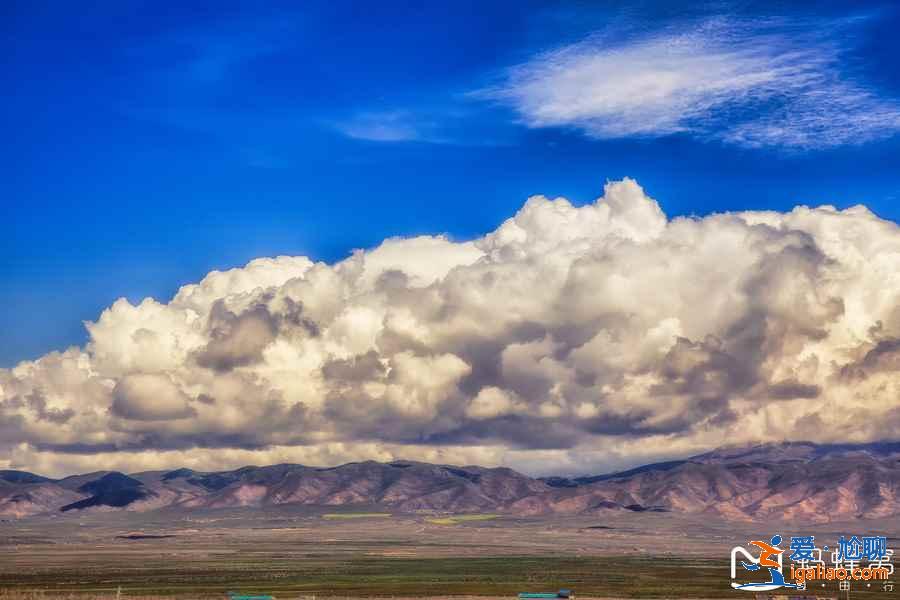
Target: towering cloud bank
(569, 338)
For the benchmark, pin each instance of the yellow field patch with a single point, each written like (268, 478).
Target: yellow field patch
(356, 515)
(456, 519)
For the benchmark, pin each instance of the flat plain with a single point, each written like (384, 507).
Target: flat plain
(293, 553)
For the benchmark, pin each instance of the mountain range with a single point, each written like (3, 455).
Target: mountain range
(796, 480)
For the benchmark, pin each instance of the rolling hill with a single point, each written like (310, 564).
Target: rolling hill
(800, 481)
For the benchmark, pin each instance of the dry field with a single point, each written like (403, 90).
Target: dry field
(301, 554)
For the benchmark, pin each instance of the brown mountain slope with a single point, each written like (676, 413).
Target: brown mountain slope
(23, 494)
(798, 481)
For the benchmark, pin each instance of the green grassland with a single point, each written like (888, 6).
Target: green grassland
(379, 576)
(330, 576)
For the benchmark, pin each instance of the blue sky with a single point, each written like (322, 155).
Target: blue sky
(149, 144)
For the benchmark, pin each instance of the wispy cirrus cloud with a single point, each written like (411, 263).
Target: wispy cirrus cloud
(448, 123)
(389, 126)
(757, 84)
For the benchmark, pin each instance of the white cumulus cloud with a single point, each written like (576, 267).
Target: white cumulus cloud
(570, 338)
